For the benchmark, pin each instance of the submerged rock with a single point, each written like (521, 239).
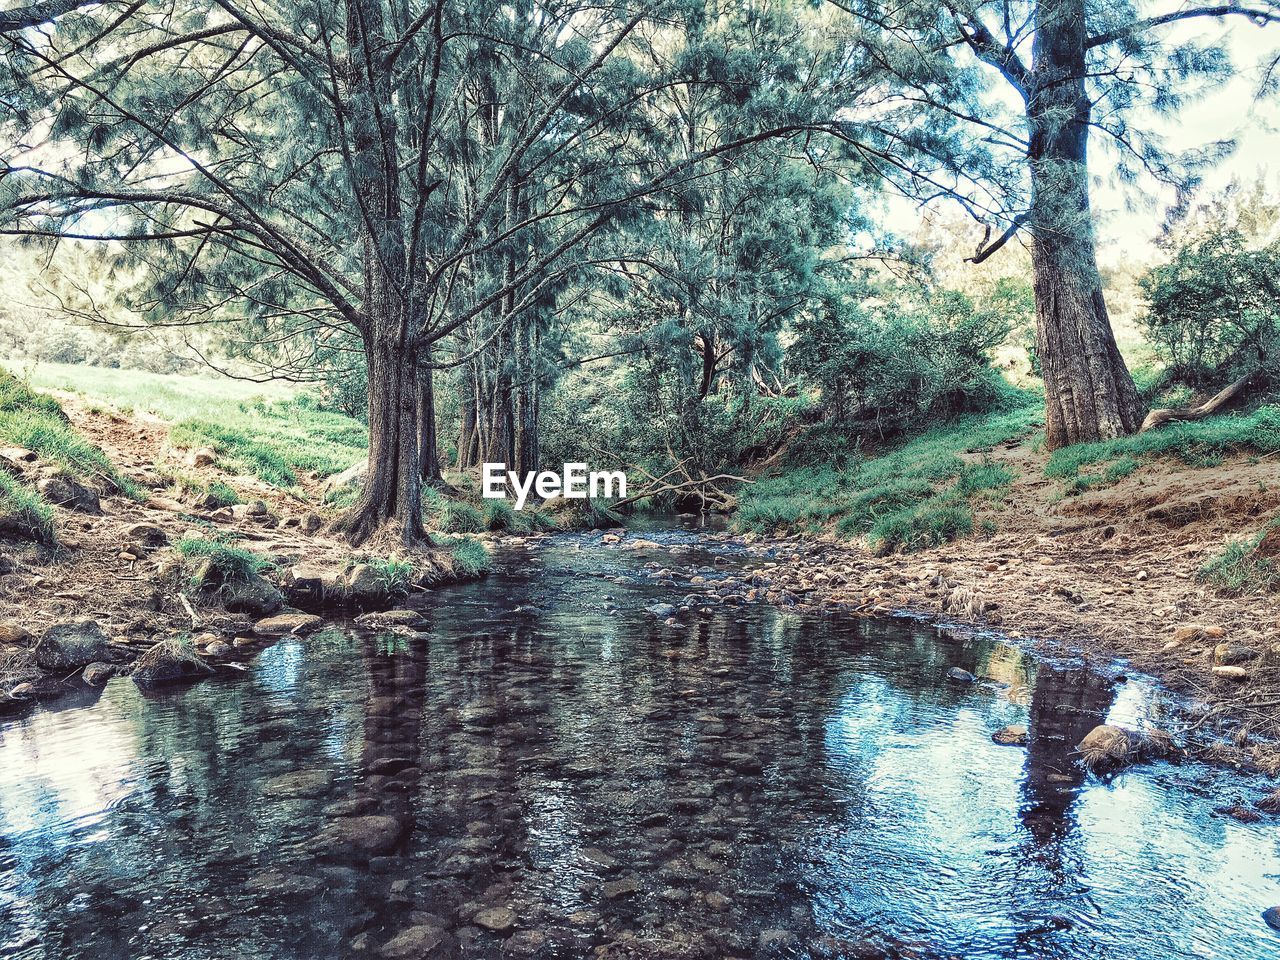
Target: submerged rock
(413, 943)
(1272, 917)
(70, 646)
(961, 675)
(496, 919)
(1014, 735)
(660, 610)
(360, 836)
(286, 624)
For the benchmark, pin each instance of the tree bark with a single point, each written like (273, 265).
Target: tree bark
(392, 494)
(429, 445)
(1089, 394)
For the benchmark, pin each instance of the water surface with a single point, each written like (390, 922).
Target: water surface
(551, 771)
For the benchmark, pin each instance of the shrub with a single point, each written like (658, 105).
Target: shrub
(1213, 311)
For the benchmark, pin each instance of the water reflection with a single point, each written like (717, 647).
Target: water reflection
(537, 773)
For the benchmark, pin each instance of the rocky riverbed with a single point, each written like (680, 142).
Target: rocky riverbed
(588, 753)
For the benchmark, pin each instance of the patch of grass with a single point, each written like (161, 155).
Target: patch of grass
(909, 498)
(454, 516)
(930, 524)
(471, 557)
(393, 574)
(190, 487)
(36, 421)
(1241, 569)
(230, 563)
(24, 512)
(18, 397)
(1203, 443)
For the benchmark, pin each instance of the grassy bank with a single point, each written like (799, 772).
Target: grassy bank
(34, 421)
(271, 431)
(1205, 443)
(917, 495)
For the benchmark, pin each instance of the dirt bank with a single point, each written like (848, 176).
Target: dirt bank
(116, 562)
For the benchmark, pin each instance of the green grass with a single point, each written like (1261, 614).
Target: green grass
(18, 397)
(1240, 569)
(937, 521)
(1204, 443)
(277, 441)
(470, 557)
(24, 511)
(910, 498)
(36, 422)
(395, 575)
(190, 487)
(267, 430)
(231, 563)
(447, 515)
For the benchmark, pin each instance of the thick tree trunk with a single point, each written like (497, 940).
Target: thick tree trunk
(1089, 394)
(392, 493)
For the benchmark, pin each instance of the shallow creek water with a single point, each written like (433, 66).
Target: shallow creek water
(550, 770)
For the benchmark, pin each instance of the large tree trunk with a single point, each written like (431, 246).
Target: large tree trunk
(1089, 394)
(392, 493)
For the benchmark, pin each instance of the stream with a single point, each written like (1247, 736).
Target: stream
(550, 770)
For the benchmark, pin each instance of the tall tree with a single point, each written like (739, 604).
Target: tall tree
(311, 165)
(1019, 160)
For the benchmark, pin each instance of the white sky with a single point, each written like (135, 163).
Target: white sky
(1228, 112)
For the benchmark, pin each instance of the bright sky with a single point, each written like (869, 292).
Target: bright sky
(1228, 112)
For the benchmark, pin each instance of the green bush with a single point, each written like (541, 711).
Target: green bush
(1213, 311)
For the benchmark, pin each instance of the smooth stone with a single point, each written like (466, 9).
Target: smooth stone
(496, 919)
(417, 941)
(1014, 735)
(961, 675)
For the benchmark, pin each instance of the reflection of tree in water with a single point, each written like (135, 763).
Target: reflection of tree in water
(1065, 705)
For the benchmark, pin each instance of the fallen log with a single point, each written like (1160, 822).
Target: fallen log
(1158, 418)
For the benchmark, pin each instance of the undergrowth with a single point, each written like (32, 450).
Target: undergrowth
(916, 496)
